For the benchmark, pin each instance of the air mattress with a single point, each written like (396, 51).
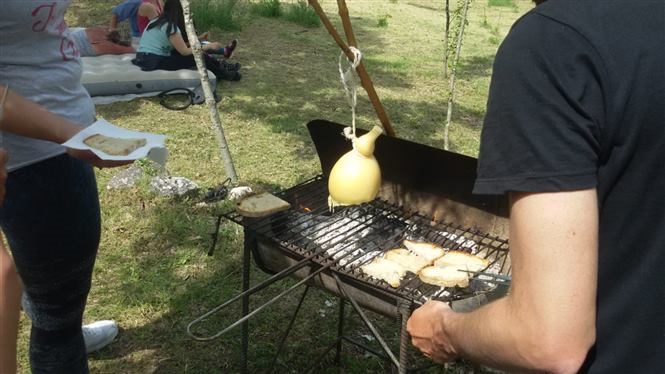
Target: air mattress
(110, 75)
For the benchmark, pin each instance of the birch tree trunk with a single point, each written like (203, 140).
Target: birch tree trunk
(207, 91)
(451, 87)
(446, 38)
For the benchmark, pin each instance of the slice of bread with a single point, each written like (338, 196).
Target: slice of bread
(463, 260)
(386, 270)
(114, 146)
(428, 250)
(444, 276)
(409, 260)
(261, 205)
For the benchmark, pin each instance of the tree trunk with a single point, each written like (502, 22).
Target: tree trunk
(207, 91)
(446, 37)
(451, 86)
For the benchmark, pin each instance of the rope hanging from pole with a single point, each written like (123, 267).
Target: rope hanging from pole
(349, 82)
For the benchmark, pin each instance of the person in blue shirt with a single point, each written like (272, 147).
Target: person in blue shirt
(126, 11)
(138, 13)
(163, 38)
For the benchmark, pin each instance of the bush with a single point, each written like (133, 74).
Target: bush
(302, 14)
(267, 8)
(215, 13)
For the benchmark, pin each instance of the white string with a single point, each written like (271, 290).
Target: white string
(349, 82)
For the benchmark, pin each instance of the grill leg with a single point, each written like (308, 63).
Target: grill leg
(215, 235)
(340, 331)
(250, 240)
(404, 309)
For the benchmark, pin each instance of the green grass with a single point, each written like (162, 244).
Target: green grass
(222, 14)
(503, 3)
(302, 14)
(153, 274)
(267, 8)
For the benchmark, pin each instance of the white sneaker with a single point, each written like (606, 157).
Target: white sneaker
(98, 335)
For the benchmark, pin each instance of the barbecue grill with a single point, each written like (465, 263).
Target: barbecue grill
(425, 195)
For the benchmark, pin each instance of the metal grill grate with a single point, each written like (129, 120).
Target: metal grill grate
(350, 237)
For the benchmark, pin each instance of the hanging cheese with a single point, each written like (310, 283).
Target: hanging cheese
(356, 177)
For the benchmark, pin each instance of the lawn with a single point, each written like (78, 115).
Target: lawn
(153, 274)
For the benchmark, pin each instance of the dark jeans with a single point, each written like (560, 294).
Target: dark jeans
(52, 222)
(149, 61)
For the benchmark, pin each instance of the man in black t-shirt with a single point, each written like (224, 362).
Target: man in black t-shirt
(575, 135)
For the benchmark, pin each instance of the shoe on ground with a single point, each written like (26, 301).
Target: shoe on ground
(235, 66)
(98, 335)
(229, 75)
(230, 48)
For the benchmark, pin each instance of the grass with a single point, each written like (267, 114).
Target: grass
(153, 274)
(221, 14)
(267, 8)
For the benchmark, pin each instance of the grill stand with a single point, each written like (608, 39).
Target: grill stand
(409, 184)
(404, 309)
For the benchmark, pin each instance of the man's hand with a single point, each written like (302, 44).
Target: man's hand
(426, 327)
(91, 158)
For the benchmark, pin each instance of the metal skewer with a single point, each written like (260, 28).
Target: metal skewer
(495, 278)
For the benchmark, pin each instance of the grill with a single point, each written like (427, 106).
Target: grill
(425, 195)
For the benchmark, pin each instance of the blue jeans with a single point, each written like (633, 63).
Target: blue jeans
(51, 219)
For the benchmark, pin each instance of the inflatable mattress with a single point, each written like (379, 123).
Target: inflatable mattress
(110, 75)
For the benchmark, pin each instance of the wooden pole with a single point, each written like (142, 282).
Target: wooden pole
(365, 80)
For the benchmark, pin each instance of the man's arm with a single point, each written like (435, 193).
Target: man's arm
(106, 47)
(148, 10)
(547, 321)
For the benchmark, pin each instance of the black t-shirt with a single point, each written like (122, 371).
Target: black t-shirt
(577, 101)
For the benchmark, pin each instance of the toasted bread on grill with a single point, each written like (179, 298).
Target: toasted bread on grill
(409, 260)
(389, 271)
(444, 276)
(114, 146)
(261, 205)
(463, 260)
(430, 251)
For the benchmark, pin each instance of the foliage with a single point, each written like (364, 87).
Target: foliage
(222, 14)
(455, 28)
(299, 12)
(267, 8)
(383, 20)
(302, 14)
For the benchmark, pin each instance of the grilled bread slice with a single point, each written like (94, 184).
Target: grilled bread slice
(430, 251)
(386, 270)
(444, 276)
(114, 146)
(409, 260)
(261, 205)
(464, 260)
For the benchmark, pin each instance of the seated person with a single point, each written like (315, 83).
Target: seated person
(162, 38)
(214, 47)
(137, 12)
(97, 41)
